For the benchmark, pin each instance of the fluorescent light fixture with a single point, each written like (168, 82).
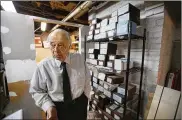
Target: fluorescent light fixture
(43, 26)
(8, 6)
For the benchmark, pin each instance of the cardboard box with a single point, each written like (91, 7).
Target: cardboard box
(109, 46)
(98, 25)
(90, 37)
(111, 26)
(118, 97)
(115, 13)
(95, 80)
(95, 21)
(110, 64)
(92, 27)
(110, 108)
(91, 32)
(111, 33)
(131, 90)
(103, 51)
(108, 93)
(101, 82)
(103, 75)
(101, 63)
(93, 51)
(92, 56)
(104, 22)
(102, 57)
(121, 64)
(93, 61)
(115, 79)
(95, 85)
(97, 46)
(113, 57)
(113, 19)
(110, 87)
(125, 27)
(135, 12)
(100, 88)
(129, 16)
(103, 29)
(97, 31)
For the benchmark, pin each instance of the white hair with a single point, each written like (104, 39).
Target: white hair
(56, 33)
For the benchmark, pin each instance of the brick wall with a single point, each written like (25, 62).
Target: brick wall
(152, 18)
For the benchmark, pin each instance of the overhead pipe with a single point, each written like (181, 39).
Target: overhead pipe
(83, 6)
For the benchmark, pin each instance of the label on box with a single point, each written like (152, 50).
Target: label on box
(103, 51)
(113, 19)
(117, 98)
(104, 22)
(91, 32)
(109, 80)
(101, 76)
(111, 57)
(91, 51)
(94, 62)
(98, 25)
(91, 56)
(102, 96)
(96, 46)
(106, 86)
(108, 111)
(96, 96)
(101, 57)
(107, 93)
(95, 102)
(101, 82)
(105, 118)
(111, 33)
(104, 45)
(118, 64)
(100, 111)
(116, 117)
(100, 88)
(95, 79)
(122, 90)
(93, 106)
(101, 63)
(109, 64)
(95, 85)
(113, 107)
(97, 31)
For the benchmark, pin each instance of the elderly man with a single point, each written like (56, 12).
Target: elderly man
(60, 84)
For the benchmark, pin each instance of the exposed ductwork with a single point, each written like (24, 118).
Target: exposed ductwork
(79, 9)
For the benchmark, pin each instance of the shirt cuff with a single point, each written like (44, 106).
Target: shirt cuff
(47, 105)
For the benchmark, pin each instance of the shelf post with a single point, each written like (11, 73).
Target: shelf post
(141, 75)
(128, 67)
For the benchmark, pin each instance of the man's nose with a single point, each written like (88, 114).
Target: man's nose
(56, 48)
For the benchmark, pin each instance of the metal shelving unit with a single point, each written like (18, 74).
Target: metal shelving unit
(129, 37)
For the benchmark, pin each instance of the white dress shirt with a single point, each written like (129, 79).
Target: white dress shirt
(47, 82)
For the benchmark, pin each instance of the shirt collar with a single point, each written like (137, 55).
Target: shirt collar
(67, 60)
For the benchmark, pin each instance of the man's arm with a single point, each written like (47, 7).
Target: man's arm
(38, 90)
(87, 88)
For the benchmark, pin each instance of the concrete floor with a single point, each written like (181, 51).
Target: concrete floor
(24, 101)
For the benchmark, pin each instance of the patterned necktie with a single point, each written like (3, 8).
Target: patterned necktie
(66, 84)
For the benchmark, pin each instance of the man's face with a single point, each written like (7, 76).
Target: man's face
(59, 46)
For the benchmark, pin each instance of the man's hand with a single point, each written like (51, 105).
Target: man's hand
(52, 113)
